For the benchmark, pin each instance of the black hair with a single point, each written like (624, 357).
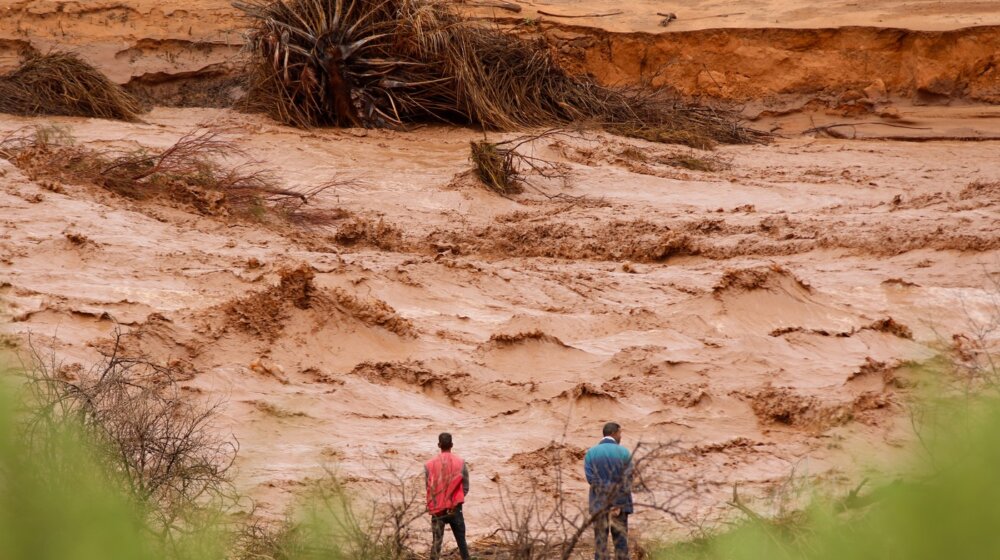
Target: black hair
(611, 428)
(444, 440)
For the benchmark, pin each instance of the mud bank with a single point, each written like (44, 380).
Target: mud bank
(843, 65)
(175, 53)
(189, 54)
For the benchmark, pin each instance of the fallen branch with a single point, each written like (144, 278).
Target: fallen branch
(667, 18)
(509, 6)
(717, 16)
(738, 503)
(838, 125)
(615, 13)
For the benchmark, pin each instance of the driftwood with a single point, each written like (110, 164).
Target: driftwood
(509, 6)
(615, 13)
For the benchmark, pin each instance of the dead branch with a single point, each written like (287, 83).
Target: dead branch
(608, 14)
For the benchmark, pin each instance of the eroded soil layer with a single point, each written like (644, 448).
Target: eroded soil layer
(188, 54)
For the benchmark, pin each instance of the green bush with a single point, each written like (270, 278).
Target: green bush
(950, 508)
(60, 508)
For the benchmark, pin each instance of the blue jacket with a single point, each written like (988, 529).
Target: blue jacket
(608, 469)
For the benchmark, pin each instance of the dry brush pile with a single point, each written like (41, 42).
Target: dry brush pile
(62, 84)
(188, 173)
(389, 63)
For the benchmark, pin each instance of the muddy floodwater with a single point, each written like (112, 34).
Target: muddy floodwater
(767, 307)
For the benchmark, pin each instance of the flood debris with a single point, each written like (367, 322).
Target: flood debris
(393, 63)
(60, 83)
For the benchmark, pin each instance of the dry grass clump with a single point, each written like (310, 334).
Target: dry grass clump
(387, 63)
(503, 169)
(186, 173)
(494, 165)
(62, 84)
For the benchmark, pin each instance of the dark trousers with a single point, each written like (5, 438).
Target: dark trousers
(618, 525)
(457, 523)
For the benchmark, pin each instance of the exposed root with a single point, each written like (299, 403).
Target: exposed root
(503, 168)
(494, 165)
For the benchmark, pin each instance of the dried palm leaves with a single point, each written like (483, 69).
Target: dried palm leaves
(62, 84)
(386, 63)
(494, 165)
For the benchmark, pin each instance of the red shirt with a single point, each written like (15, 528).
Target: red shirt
(447, 482)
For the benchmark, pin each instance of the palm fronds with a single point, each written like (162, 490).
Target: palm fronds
(389, 63)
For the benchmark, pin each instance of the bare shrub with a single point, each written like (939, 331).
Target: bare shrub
(268, 540)
(547, 522)
(974, 355)
(505, 170)
(188, 172)
(328, 523)
(161, 448)
(390, 532)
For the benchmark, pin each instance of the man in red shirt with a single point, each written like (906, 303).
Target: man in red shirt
(447, 484)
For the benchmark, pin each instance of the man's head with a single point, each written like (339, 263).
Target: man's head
(444, 441)
(613, 430)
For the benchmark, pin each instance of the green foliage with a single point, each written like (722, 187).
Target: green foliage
(952, 510)
(63, 508)
(61, 499)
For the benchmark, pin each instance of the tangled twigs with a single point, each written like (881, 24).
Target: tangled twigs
(191, 172)
(165, 449)
(504, 169)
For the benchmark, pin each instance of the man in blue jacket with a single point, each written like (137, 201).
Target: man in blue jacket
(608, 469)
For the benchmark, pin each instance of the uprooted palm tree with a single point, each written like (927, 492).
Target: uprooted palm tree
(387, 63)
